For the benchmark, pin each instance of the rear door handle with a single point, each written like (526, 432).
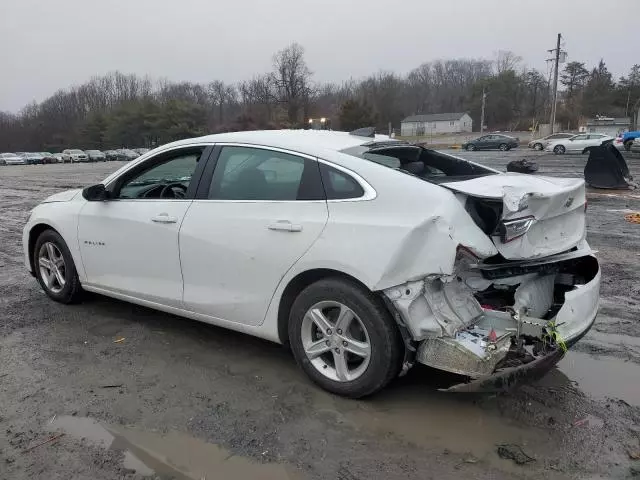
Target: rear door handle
(285, 226)
(164, 218)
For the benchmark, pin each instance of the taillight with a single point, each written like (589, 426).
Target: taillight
(511, 229)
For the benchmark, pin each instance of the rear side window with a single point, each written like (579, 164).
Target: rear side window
(248, 173)
(339, 185)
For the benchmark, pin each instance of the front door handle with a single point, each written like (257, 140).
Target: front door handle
(164, 218)
(285, 226)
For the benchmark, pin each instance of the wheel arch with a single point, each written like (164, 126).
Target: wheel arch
(34, 233)
(296, 285)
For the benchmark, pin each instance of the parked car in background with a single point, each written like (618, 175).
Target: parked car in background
(618, 143)
(111, 155)
(126, 154)
(577, 144)
(33, 158)
(47, 157)
(540, 143)
(11, 159)
(635, 145)
(492, 141)
(628, 138)
(58, 157)
(74, 155)
(140, 151)
(96, 156)
(365, 254)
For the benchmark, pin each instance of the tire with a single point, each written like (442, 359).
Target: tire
(371, 320)
(503, 147)
(627, 145)
(559, 150)
(71, 291)
(538, 147)
(471, 148)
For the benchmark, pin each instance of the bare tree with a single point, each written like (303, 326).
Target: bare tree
(506, 60)
(292, 79)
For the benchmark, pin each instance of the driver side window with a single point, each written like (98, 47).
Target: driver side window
(167, 177)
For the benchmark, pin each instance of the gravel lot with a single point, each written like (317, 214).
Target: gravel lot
(179, 399)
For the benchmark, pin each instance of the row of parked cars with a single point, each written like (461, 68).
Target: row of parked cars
(561, 143)
(71, 155)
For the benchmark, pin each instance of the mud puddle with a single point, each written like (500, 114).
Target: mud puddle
(170, 456)
(603, 376)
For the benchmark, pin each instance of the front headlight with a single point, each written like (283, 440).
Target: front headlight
(512, 229)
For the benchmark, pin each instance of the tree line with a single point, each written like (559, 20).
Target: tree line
(120, 110)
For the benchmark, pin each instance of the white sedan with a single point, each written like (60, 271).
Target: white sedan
(365, 255)
(577, 144)
(11, 159)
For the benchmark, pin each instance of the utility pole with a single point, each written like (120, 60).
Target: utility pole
(555, 84)
(484, 99)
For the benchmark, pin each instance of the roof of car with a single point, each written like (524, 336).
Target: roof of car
(305, 141)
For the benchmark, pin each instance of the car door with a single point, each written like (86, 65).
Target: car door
(259, 213)
(483, 142)
(595, 139)
(577, 143)
(129, 242)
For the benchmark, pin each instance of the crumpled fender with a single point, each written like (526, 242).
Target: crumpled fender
(430, 248)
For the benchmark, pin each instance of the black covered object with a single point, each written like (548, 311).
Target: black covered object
(606, 168)
(522, 166)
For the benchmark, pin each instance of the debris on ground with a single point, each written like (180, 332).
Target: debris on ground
(511, 451)
(118, 385)
(632, 217)
(607, 168)
(119, 340)
(50, 440)
(522, 166)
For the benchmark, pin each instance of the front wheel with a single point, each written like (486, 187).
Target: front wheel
(344, 339)
(538, 147)
(627, 146)
(504, 147)
(55, 269)
(471, 148)
(559, 150)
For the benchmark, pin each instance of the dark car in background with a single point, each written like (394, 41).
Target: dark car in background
(127, 154)
(33, 158)
(111, 155)
(492, 141)
(47, 157)
(96, 156)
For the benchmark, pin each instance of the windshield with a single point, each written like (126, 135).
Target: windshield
(76, 151)
(426, 164)
(94, 152)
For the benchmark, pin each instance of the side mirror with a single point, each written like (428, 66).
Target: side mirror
(95, 193)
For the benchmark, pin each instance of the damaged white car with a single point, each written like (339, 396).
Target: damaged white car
(364, 254)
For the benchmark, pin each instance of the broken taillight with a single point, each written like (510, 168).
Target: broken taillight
(511, 229)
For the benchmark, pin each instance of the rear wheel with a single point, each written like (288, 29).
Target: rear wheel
(344, 338)
(55, 269)
(559, 150)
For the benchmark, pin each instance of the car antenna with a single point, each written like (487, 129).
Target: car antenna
(364, 132)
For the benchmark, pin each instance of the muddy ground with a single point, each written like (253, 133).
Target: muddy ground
(180, 399)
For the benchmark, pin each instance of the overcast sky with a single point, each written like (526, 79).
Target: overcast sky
(50, 44)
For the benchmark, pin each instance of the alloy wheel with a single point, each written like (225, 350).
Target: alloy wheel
(336, 341)
(52, 267)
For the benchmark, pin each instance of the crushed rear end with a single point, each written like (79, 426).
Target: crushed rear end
(508, 316)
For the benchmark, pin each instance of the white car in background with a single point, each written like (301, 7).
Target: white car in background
(540, 143)
(74, 155)
(364, 254)
(11, 159)
(577, 144)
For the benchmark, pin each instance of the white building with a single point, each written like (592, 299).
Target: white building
(431, 124)
(608, 125)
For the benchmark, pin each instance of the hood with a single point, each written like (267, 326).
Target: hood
(555, 205)
(65, 196)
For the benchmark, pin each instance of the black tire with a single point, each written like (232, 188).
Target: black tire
(471, 148)
(387, 348)
(538, 147)
(559, 150)
(504, 147)
(72, 290)
(627, 145)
